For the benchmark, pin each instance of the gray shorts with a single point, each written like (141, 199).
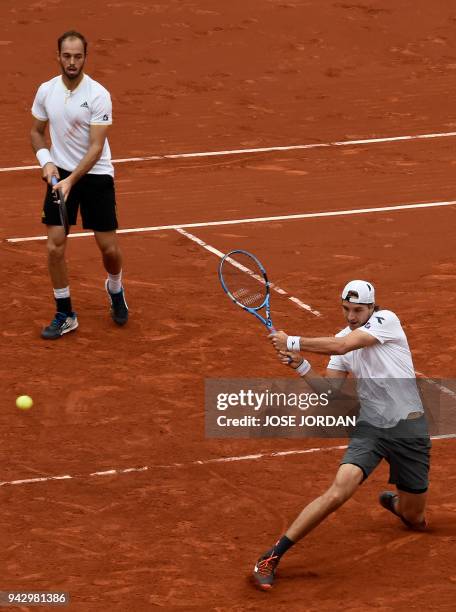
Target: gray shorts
(406, 447)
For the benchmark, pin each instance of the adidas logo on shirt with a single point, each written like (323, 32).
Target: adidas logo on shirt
(84, 105)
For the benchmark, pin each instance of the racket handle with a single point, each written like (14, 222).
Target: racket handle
(54, 180)
(273, 330)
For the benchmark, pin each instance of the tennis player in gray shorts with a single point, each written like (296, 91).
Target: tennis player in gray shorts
(391, 424)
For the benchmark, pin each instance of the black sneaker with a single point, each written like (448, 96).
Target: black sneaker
(264, 570)
(61, 324)
(119, 308)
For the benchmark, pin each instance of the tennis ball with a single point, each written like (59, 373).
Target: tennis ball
(24, 402)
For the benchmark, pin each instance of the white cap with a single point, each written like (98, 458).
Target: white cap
(359, 292)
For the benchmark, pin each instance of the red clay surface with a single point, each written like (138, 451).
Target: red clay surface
(201, 76)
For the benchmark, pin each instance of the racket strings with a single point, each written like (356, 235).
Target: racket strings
(244, 296)
(244, 280)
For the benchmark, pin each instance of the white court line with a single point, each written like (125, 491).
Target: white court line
(439, 386)
(314, 145)
(147, 468)
(219, 254)
(334, 213)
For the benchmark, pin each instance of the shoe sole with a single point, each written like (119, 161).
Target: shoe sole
(258, 585)
(263, 587)
(119, 322)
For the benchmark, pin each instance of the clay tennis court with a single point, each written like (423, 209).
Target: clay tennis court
(146, 512)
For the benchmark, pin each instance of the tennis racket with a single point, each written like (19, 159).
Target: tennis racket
(60, 201)
(244, 280)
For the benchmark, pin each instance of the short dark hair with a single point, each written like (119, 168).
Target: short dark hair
(72, 34)
(355, 294)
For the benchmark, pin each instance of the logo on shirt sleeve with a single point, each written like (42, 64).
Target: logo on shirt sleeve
(367, 326)
(105, 117)
(380, 319)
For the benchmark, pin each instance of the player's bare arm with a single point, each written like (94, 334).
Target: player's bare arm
(327, 346)
(333, 379)
(97, 137)
(38, 140)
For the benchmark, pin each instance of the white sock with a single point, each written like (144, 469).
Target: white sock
(62, 293)
(115, 282)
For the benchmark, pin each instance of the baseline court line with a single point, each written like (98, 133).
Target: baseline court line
(315, 145)
(146, 468)
(334, 213)
(219, 254)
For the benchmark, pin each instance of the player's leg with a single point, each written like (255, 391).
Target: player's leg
(99, 213)
(112, 260)
(409, 460)
(409, 507)
(65, 319)
(360, 459)
(56, 247)
(346, 482)
(110, 251)
(412, 507)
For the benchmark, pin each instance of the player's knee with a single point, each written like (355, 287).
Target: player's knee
(412, 516)
(56, 251)
(110, 251)
(336, 496)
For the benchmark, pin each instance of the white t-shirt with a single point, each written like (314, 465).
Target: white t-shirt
(70, 115)
(386, 382)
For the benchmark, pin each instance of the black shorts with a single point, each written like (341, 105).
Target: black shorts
(94, 194)
(406, 447)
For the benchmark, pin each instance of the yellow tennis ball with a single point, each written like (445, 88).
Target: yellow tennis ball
(24, 402)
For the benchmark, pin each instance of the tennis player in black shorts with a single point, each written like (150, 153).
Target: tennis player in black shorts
(391, 424)
(78, 111)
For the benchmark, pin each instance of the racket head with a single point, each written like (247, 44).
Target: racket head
(244, 279)
(63, 212)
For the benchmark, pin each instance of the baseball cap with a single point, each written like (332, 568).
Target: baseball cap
(359, 292)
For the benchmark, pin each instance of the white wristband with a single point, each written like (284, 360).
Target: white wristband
(44, 157)
(293, 343)
(303, 368)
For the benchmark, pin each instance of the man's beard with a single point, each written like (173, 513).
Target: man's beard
(72, 75)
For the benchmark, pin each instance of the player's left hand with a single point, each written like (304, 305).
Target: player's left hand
(279, 340)
(65, 185)
(290, 358)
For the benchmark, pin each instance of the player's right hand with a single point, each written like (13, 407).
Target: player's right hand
(279, 340)
(49, 171)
